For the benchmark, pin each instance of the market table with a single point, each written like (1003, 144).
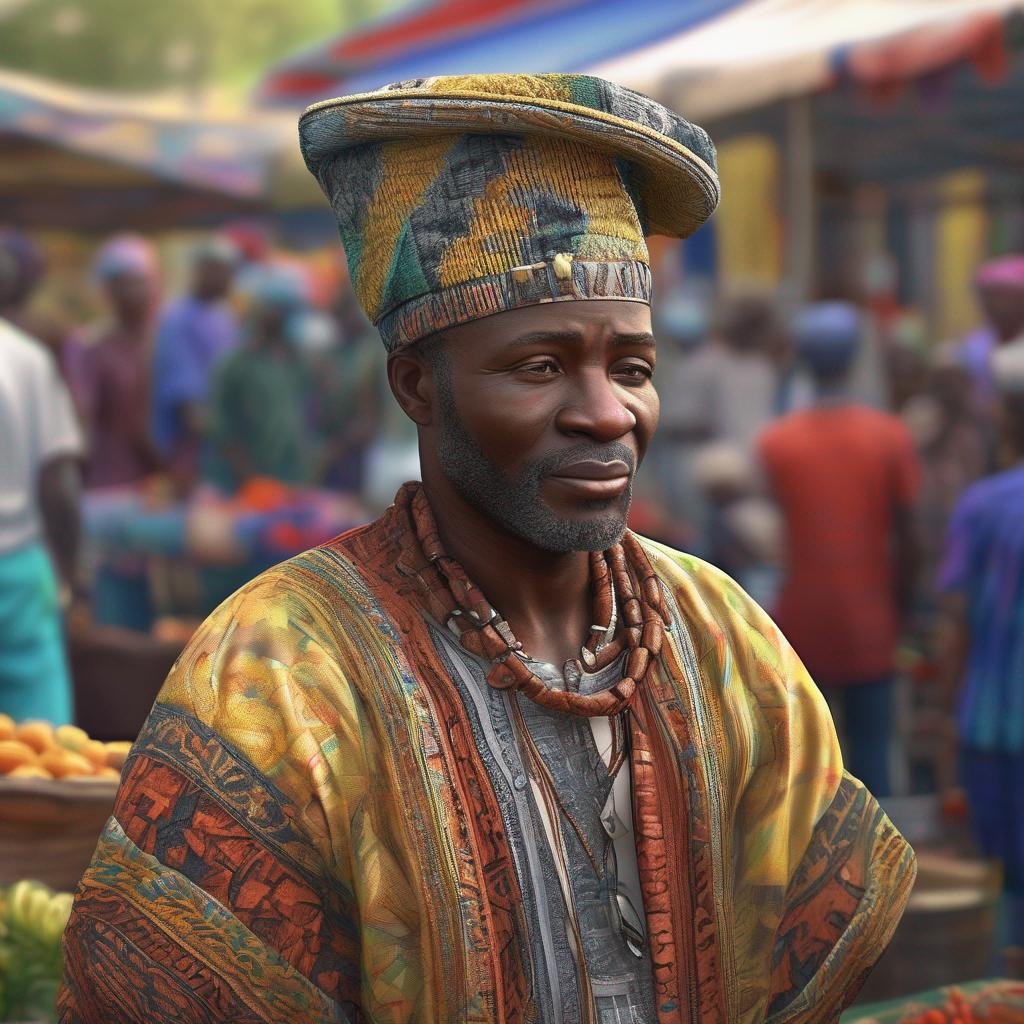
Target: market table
(991, 1001)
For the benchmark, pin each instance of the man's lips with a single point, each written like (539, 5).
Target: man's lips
(591, 469)
(592, 479)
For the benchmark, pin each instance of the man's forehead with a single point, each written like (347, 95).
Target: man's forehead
(610, 320)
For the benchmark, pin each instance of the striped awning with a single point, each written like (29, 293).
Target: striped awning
(473, 36)
(766, 50)
(707, 58)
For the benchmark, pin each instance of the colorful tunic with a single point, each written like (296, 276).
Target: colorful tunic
(311, 826)
(985, 562)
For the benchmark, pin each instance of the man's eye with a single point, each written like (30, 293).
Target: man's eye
(540, 367)
(634, 372)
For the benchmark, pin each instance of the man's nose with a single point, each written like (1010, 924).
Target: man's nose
(596, 409)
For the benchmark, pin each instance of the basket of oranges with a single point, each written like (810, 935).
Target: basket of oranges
(57, 789)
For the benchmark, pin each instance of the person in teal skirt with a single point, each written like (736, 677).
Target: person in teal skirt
(39, 488)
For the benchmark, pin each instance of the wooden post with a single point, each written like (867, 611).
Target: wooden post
(799, 207)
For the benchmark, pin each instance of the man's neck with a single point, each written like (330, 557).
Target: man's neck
(132, 328)
(544, 595)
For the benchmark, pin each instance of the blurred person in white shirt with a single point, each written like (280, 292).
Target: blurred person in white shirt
(40, 480)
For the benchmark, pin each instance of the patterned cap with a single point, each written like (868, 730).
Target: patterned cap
(463, 196)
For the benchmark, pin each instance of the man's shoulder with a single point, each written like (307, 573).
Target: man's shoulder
(879, 419)
(711, 601)
(300, 625)
(791, 427)
(995, 493)
(853, 418)
(743, 660)
(302, 583)
(22, 353)
(174, 309)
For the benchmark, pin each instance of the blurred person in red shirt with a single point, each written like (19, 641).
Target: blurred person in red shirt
(846, 478)
(109, 366)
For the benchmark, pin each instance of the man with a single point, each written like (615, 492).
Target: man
(111, 371)
(256, 421)
(982, 649)
(110, 368)
(845, 477)
(740, 382)
(39, 489)
(1000, 289)
(19, 307)
(347, 388)
(604, 791)
(194, 334)
(684, 423)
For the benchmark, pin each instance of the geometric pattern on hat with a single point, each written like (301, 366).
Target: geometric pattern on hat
(462, 196)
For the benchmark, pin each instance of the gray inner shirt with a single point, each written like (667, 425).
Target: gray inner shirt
(620, 979)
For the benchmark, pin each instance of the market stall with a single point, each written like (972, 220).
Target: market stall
(57, 788)
(80, 161)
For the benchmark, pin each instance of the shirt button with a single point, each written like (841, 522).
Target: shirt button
(519, 782)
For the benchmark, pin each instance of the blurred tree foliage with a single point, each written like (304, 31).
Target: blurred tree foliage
(157, 44)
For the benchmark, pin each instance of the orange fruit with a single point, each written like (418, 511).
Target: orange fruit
(117, 753)
(6, 727)
(14, 754)
(109, 773)
(94, 752)
(62, 764)
(38, 735)
(29, 771)
(71, 737)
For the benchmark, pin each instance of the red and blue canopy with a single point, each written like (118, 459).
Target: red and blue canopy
(471, 36)
(706, 57)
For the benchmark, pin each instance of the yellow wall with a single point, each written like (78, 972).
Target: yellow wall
(961, 243)
(748, 230)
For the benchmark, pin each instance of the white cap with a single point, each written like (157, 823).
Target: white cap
(1008, 367)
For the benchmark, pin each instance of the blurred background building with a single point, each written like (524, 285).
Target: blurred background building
(836, 362)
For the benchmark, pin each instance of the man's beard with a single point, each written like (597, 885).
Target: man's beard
(515, 503)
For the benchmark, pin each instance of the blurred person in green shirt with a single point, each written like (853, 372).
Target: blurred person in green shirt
(257, 418)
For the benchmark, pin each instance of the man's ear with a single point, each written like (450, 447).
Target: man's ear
(412, 384)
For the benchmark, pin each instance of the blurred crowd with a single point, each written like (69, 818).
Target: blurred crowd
(260, 383)
(865, 482)
(861, 479)
(254, 371)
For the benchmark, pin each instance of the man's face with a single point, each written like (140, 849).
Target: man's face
(213, 278)
(131, 294)
(544, 414)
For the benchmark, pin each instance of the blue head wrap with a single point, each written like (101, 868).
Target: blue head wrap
(827, 336)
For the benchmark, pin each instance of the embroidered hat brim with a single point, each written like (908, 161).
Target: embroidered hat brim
(673, 160)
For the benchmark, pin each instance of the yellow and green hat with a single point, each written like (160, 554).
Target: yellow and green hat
(462, 196)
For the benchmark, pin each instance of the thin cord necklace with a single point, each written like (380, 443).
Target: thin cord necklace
(461, 606)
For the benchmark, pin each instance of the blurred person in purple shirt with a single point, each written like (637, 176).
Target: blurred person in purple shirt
(194, 334)
(1000, 288)
(110, 366)
(981, 646)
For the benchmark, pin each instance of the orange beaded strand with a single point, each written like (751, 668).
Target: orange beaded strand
(482, 631)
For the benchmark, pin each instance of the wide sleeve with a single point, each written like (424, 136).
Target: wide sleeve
(815, 876)
(220, 889)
